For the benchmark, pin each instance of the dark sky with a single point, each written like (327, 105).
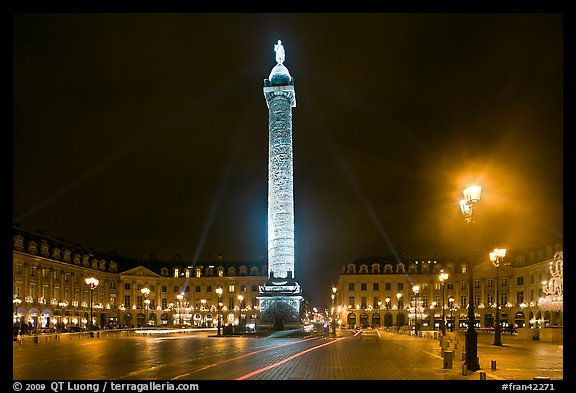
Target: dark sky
(148, 133)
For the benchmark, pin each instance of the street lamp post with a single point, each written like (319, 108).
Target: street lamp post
(334, 289)
(240, 298)
(471, 197)
(146, 291)
(92, 283)
(398, 297)
(180, 297)
(387, 308)
(203, 322)
(443, 277)
(219, 293)
(451, 306)
(416, 289)
(496, 257)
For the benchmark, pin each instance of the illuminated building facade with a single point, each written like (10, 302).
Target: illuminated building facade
(49, 288)
(376, 291)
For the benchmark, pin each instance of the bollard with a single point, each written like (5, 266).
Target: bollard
(448, 355)
(482, 376)
(493, 364)
(36, 339)
(464, 370)
(463, 355)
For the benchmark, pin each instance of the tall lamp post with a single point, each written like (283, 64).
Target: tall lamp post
(398, 297)
(92, 283)
(443, 277)
(467, 205)
(496, 257)
(203, 321)
(145, 291)
(334, 289)
(416, 289)
(387, 308)
(451, 306)
(219, 293)
(180, 297)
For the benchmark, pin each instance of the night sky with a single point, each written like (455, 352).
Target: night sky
(148, 133)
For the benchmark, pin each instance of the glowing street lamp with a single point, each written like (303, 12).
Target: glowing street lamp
(443, 277)
(92, 283)
(334, 290)
(146, 291)
(180, 297)
(219, 293)
(398, 297)
(496, 257)
(203, 322)
(467, 205)
(416, 289)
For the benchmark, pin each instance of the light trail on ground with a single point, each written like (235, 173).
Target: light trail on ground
(249, 375)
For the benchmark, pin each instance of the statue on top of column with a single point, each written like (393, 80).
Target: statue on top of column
(279, 49)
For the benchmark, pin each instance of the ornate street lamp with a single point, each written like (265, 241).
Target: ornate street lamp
(92, 283)
(203, 322)
(180, 297)
(416, 289)
(467, 205)
(240, 298)
(146, 291)
(398, 297)
(443, 277)
(334, 290)
(496, 257)
(451, 306)
(219, 293)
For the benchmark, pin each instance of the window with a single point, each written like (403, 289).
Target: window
(351, 302)
(197, 288)
(350, 286)
(164, 288)
(176, 272)
(230, 288)
(424, 300)
(254, 288)
(388, 286)
(363, 286)
(490, 283)
(198, 272)
(401, 302)
(519, 280)
(127, 301)
(126, 286)
(32, 271)
(19, 270)
(400, 286)
(112, 284)
(375, 286)
(388, 269)
(242, 288)
(375, 301)
(164, 303)
(231, 303)
(187, 288)
(450, 286)
(139, 302)
(504, 282)
(476, 300)
(463, 301)
(176, 288)
(187, 272)
(363, 302)
(503, 298)
(152, 288)
(489, 299)
(463, 285)
(208, 288)
(476, 283)
(520, 297)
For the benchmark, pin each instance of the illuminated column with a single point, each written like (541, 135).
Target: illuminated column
(280, 98)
